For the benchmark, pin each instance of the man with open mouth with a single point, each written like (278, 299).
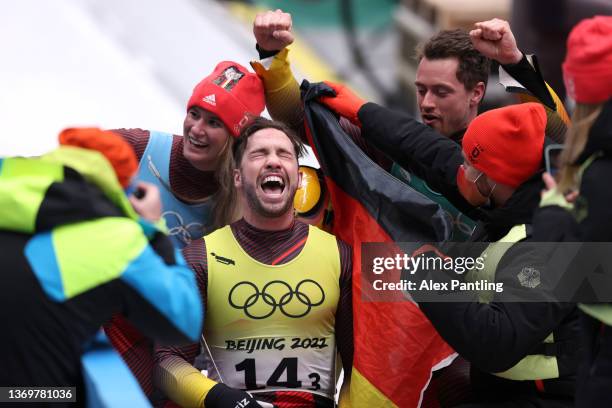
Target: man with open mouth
(277, 293)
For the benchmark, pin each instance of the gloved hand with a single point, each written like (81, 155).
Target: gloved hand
(345, 103)
(552, 196)
(222, 396)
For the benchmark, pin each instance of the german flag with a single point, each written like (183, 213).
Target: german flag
(396, 347)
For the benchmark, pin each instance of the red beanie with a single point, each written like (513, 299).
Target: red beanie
(506, 144)
(116, 150)
(232, 93)
(587, 69)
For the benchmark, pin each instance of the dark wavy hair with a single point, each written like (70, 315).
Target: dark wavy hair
(262, 123)
(473, 66)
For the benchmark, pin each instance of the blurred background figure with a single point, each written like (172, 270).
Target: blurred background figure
(76, 249)
(587, 166)
(542, 26)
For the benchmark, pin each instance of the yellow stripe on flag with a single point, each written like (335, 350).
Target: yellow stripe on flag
(363, 394)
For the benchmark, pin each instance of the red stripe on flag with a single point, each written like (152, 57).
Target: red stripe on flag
(396, 346)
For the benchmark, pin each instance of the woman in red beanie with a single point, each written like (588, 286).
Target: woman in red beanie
(193, 172)
(587, 168)
(194, 175)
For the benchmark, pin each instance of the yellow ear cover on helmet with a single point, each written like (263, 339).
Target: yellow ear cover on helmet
(309, 195)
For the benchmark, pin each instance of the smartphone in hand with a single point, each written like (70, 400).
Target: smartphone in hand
(552, 158)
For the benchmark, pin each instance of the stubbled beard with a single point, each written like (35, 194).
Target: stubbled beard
(258, 207)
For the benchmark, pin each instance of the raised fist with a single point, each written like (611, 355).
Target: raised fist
(494, 39)
(272, 30)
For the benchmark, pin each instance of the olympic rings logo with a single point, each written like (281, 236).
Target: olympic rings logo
(177, 227)
(277, 294)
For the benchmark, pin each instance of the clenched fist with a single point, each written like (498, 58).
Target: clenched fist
(494, 39)
(272, 30)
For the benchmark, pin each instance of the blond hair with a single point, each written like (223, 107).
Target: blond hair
(225, 205)
(582, 120)
(226, 208)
